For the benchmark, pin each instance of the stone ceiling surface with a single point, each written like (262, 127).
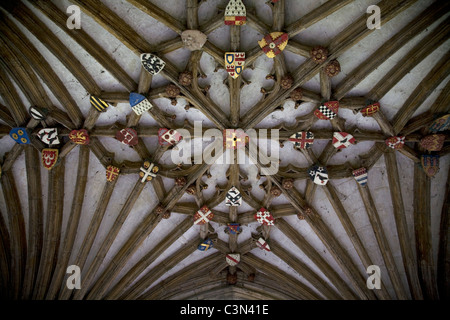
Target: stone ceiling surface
(323, 32)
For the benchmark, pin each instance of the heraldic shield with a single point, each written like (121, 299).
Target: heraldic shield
(79, 136)
(395, 142)
(49, 157)
(152, 63)
(205, 245)
(433, 142)
(262, 244)
(233, 198)
(98, 104)
(430, 164)
(233, 258)
(20, 135)
(234, 63)
(360, 176)
(234, 138)
(319, 175)
(39, 114)
(49, 136)
(139, 104)
(233, 228)
(168, 137)
(371, 109)
(327, 111)
(274, 43)
(203, 216)
(302, 140)
(112, 173)
(127, 136)
(264, 216)
(235, 13)
(342, 140)
(440, 124)
(148, 171)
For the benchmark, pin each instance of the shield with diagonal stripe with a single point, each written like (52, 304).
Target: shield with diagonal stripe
(37, 113)
(205, 245)
(233, 228)
(233, 258)
(98, 104)
(203, 216)
(262, 244)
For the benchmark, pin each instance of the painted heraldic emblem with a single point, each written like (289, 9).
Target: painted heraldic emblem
(342, 140)
(395, 142)
(79, 136)
(433, 142)
(49, 157)
(139, 103)
(262, 244)
(233, 198)
(234, 63)
(148, 171)
(235, 13)
(360, 176)
(370, 109)
(20, 135)
(168, 137)
(233, 228)
(264, 216)
(49, 136)
(430, 164)
(233, 258)
(203, 216)
(440, 124)
(327, 110)
(98, 104)
(234, 139)
(152, 63)
(205, 245)
(39, 114)
(112, 173)
(127, 136)
(274, 43)
(319, 175)
(302, 140)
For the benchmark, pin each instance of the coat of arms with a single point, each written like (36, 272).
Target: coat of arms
(274, 43)
(233, 228)
(395, 142)
(235, 13)
(112, 173)
(233, 258)
(262, 244)
(127, 136)
(98, 104)
(302, 140)
(440, 124)
(430, 164)
(433, 142)
(327, 110)
(49, 157)
(152, 63)
(20, 135)
(233, 198)
(234, 138)
(49, 136)
(168, 137)
(39, 114)
(264, 216)
(319, 175)
(203, 216)
(79, 136)
(342, 140)
(370, 109)
(205, 245)
(234, 63)
(139, 104)
(360, 176)
(148, 171)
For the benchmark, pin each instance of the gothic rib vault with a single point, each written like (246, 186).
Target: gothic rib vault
(135, 240)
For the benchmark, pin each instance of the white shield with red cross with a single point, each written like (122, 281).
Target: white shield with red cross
(342, 140)
(302, 140)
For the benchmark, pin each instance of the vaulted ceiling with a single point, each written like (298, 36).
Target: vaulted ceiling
(134, 240)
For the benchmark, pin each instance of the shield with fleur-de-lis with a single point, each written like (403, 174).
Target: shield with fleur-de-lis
(342, 140)
(302, 140)
(151, 63)
(274, 43)
(203, 216)
(370, 109)
(262, 244)
(139, 103)
(168, 137)
(235, 13)
(318, 174)
(433, 142)
(79, 136)
(234, 63)
(127, 136)
(264, 216)
(430, 164)
(112, 173)
(360, 176)
(205, 245)
(233, 258)
(395, 142)
(233, 197)
(327, 110)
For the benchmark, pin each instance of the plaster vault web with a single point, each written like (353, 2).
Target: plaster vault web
(135, 240)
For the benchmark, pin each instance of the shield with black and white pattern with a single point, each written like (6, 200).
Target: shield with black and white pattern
(49, 136)
(327, 110)
(319, 175)
(153, 64)
(233, 198)
(342, 140)
(139, 104)
(39, 114)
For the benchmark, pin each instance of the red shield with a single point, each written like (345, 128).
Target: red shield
(327, 111)
(263, 216)
(395, 142)
(79, 136)
(127, 136)
(274, 43)
(203, 216)
(433, 142)
(112, 173)
(49, 157)
(168, 137)
(370, 109)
